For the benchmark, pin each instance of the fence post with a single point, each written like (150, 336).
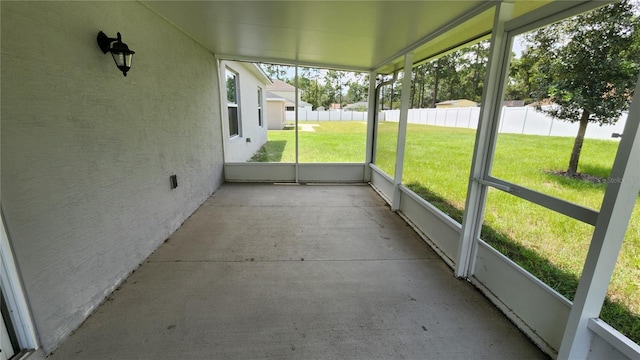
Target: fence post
(455, 122)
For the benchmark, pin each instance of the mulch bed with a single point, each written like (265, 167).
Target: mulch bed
(578, 176)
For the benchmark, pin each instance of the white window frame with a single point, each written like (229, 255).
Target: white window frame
(260, 112)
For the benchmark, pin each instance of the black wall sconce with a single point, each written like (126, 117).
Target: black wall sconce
(119, 50)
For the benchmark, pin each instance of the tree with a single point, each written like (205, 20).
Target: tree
(275, 71)
(333, 80)
(587, 66)
(521, 72)
(474, 65)
(358, 88)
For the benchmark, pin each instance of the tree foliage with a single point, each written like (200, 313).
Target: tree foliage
(587, 63)
(275, 71)
(587, 66)
(458, 75)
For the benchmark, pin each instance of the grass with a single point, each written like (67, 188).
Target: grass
(551, 246)
(326, 144)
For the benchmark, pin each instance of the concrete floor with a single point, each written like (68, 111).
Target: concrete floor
(296, 272)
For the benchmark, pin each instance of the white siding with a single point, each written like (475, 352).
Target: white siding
(87, 153)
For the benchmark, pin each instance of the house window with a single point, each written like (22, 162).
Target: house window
(290, 108)
(232, 103)
(260, 107)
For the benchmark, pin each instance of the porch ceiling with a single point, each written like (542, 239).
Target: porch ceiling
(358, 35)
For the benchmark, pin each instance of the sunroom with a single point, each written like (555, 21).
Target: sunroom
(98, 170)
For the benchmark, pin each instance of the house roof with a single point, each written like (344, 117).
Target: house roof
(275, 97)
(257, 70)
(349, 35)
(454, 101)
(279, 85)
(356, 105)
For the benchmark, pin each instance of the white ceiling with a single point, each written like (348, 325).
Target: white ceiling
(358, 35)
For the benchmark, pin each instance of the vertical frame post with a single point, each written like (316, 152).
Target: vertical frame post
(371, 125)
(495, 78)
(402, 130)
(295, 80)
(613, 220)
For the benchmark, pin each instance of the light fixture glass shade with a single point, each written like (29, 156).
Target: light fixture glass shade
(123, 61)
(120, 52)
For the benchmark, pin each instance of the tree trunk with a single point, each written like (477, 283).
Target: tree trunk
(413, 93)
(451, 84)
(476, 72)
(435, 87)
(577, 145)
(391, 98)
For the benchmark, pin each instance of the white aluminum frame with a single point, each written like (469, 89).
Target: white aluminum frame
(615, 213)
(402, 130)
(14, 295)
(372, 116)
(495, 78)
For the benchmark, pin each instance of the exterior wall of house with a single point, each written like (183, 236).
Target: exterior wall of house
(87, 153)
(241, 148)
(275, 115)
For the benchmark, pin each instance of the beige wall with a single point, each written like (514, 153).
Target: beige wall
(87, 153)
(275, 115)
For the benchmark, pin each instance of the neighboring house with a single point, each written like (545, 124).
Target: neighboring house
(513, 103)
(335, 106)
(244, 88)
(288, 91)
(281, 97)
(460, 103)
(359, 106)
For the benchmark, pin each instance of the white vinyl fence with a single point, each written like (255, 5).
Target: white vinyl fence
(327, 116)
(514, 120)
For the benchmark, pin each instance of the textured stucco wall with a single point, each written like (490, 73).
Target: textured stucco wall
(237, 148)
(87, 153)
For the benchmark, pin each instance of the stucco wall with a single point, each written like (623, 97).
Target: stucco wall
(237, 148)
(87, 153)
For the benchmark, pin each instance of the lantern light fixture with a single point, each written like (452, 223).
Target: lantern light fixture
(119, 50)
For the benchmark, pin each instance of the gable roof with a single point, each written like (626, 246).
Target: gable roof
(454, 101)
(275, 97)
(279, 85)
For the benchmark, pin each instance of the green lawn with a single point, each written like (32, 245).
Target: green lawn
(332, 142)
(437, 162)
